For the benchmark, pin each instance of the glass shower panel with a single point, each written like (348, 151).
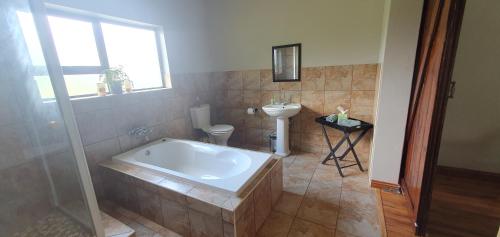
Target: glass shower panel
(40, 185)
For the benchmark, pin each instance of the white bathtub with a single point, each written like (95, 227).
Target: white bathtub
(221, 167)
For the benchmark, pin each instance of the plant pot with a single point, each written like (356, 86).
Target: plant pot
(116, 87)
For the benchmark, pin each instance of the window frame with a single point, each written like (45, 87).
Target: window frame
(96, 20)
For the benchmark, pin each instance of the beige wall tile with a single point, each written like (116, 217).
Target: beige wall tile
(267, 96)
(251, 80)
(210, 204)
(276, 181)
(234, 80)
(295, 123)
(313, 78)
(253, 121)
(262, 201)
(99, 125)
(295, 141)
(203, 225)
(307, 123)
(364, 77)
(228, 230)
(313, 101)
(245, 226)
(338, 78)
(266, 81)
(265, 136)
(333, 99)
(175, 217)
(269, 123)
(292, 96)
(174, 191)
(220, 99)
(100, 152)
(234, 99)
(362, 103)
(312, 142)
(251, 98)
(236, 117)
(291, 86)
(177, 128)
(254, 136)
(150, 206)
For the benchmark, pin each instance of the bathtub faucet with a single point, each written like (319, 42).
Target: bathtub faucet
(140, 132)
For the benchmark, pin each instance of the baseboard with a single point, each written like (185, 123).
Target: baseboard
(467, 173)
(384, 185)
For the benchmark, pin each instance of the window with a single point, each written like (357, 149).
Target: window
(86, 46)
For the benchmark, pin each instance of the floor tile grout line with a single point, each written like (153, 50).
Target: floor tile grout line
(304, 196)
(340, 203)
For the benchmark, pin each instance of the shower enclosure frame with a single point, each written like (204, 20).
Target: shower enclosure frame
(54, 69)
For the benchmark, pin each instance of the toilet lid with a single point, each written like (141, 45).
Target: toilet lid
(220, 128)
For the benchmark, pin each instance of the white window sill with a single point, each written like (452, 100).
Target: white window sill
(124, 94)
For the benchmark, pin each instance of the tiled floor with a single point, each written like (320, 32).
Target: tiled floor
(142, 226)
(316, 202)
(56, 224)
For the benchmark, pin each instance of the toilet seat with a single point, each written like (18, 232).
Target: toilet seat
(220, 129)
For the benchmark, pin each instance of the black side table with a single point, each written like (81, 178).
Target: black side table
(364, 127)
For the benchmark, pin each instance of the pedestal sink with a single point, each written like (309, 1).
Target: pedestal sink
(282, 112)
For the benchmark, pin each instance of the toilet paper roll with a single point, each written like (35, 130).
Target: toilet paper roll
(251, 110)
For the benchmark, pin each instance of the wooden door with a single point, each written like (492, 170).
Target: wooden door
(434, 64)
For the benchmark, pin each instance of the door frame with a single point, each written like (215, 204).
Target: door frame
(437, 122)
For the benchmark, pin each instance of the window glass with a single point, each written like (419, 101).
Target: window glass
(75, 42)
(44, 87)
(39, 70)
(81, 84)
(136, 50)
(31, 38)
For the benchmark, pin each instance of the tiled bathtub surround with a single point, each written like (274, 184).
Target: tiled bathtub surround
(320, 91)
(104, 122)
(191, 209)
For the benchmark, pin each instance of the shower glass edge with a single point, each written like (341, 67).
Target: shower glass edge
(64, 103)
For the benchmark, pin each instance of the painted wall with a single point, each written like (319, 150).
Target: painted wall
(471, 135)
(332, 32)
(182, 22)
(394, 89)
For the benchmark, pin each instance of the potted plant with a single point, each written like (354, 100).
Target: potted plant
(114, 78)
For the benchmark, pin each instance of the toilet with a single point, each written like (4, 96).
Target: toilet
(219, 133)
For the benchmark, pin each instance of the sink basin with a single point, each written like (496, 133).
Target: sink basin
(282, 110)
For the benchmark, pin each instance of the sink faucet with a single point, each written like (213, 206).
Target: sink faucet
(281, 101)
(140, 132)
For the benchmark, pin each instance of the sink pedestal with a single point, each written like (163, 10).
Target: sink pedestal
(282, 146)
(282, 112)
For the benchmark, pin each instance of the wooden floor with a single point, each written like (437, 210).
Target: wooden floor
(396, 215)
(464, 206)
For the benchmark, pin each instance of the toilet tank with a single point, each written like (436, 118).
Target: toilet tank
(200, 116)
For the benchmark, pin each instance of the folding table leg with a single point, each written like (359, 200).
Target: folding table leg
(351, 147)
(332, 149)
(331, 155)
(338, 166)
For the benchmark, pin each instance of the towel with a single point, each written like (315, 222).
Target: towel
(331, 118)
